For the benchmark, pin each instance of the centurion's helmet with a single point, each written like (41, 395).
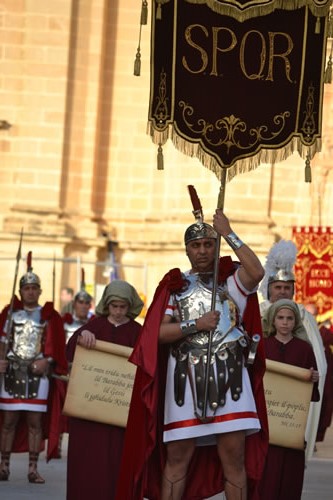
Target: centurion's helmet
(29, 278)
(83, 294)
(199, 229)
(279, 266)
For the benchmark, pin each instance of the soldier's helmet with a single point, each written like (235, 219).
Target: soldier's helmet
(279, 266)
(199, 230)
(29, 278)
(82, 294)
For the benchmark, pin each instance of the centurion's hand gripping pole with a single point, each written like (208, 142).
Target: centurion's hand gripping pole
(220, 205)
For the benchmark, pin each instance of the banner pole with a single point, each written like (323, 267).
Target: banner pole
(220, 205)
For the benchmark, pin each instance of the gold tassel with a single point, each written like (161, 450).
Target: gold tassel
(317, 28)
(137, 63)
(159, 8)
(330, 26)
(308, 177)
(143, 20)
(159, 12)
(328, 71)
(144, 12)
(160, 160)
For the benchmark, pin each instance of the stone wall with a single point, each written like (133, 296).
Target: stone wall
(77, 167)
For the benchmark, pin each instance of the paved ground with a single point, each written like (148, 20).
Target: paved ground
(318, 482)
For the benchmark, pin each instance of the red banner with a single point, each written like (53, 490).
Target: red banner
(314, 267)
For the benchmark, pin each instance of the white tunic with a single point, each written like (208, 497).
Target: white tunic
(181, 422)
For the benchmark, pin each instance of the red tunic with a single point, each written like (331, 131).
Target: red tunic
(94, 449)
(141, 471)
(284, 470)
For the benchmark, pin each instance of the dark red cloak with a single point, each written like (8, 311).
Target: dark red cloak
(54, 347)
(144, 453)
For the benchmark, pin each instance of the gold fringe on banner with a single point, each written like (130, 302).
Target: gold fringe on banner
(227, 9)
(267, 156)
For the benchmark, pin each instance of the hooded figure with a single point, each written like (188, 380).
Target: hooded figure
(120, 290)
(298, 331)
(95, 448)
(271, 312)
(283, 475)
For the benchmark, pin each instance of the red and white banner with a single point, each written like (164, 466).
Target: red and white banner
(314, 267)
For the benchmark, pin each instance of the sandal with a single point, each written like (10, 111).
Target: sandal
(35, 477)
(4, 471)
(4, 474)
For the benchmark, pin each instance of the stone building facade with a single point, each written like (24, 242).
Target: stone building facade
(77, 169)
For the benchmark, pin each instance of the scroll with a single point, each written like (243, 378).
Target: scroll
(288, 391)
(100, 384)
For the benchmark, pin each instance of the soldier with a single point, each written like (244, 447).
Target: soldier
(185, 453)
(34, 346)
(279, 283)
(81, 313)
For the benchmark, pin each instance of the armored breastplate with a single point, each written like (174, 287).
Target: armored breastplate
(227, 344)
(27, 336)
(70, 328)
(196, 299)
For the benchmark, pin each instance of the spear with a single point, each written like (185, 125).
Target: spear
(197, 211)
(53, 278)
(220, 204)
(8, 325)
(83, 280)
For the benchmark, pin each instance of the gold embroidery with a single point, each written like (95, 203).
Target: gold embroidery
(161, 112)
(230, 127)
(309, 124)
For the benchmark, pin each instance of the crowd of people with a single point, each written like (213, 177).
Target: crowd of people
(197, 422)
